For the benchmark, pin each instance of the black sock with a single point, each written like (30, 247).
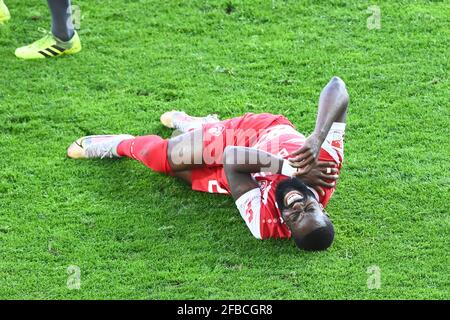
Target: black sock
(62, 26)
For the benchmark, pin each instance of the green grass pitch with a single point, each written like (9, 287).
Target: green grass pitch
(140, 235)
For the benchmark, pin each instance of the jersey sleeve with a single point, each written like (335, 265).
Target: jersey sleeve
(332, 150)
(249, 205)
(334, 144)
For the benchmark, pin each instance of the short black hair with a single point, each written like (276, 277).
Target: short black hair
(290, 184)
(319, 239)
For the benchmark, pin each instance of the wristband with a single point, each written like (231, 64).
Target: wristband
(287, 169)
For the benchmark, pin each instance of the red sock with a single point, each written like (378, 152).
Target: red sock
(150, 150)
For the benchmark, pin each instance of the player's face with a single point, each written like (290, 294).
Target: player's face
(302, 214)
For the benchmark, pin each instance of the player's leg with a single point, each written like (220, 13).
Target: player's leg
(207, 137)
(163, 155)
(180, 153)
(185, 175)
(180, 157)
(4, 12)
(62, 26)
(194, 149)
(62, 40)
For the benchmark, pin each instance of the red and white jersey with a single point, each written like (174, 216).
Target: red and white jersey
(271, 133)
(258, 207)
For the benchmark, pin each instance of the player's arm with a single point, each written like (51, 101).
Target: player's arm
(240, 162)
(333, 104)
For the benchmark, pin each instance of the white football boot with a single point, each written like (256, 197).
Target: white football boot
(92, 147)
(182, 121)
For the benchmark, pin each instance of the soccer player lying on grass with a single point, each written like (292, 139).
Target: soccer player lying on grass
(281, 181)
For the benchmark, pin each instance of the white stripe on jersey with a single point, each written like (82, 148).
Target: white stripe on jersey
(249, 205)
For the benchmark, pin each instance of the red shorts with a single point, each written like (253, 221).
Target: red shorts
(241, 131)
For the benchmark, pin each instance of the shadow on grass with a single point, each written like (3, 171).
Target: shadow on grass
(126, 182)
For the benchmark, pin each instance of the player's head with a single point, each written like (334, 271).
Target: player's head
(310, 226)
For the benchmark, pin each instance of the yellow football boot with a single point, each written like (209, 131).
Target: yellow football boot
(4, 12)
(49, 47)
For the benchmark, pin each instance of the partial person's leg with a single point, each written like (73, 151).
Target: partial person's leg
(180, 153)
(63, 39)
(186, 175)
(62, 26)
(204, 146)
(188, 151)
